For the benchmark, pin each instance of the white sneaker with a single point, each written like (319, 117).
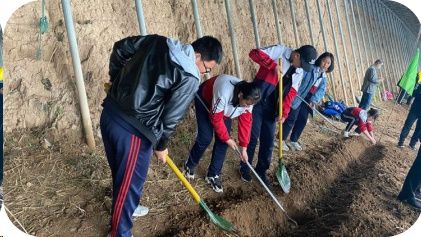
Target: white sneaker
(285, 146)
(296, 146)
(354, 134)
(346, 134)
(140, 211)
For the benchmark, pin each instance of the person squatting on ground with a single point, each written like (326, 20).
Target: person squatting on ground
(414, 114)
(371, 81)
(410, 193)
(265, 112)
(154, 80)
(363, 119)
(324, 64)
(219, 100)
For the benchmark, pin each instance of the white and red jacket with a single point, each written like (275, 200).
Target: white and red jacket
(362, 118)
(217, 93)
(268, 59)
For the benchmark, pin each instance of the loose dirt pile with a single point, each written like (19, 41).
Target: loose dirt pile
(339, 187)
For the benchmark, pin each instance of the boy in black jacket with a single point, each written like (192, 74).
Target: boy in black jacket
(413, 115)
(154, 79)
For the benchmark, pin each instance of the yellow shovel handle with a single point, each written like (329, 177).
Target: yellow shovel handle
(183, 179)
(280, 106)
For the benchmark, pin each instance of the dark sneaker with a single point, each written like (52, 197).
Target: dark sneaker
(188, 172)
(412, 147)
(412, 202)
(245, 175)
(216, 183)
(265, 180)
(400, 145)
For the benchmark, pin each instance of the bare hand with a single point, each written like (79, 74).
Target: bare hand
(283, 120)
(373, 141)
(231, 143)
(162, 155)
(244, 156)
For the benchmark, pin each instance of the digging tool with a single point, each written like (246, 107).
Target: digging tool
(267, 189)
(321, 115)
(217, 220)
(282, 173)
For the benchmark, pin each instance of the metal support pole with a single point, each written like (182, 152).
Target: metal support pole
(309, 22)
(357, 68)
(370, 38)
(140, 17)
(390, 52)
(294, 23)
(399, 60)
(233, 39)
(254, 21)
(337, 52)
(345, 52)
(319, 9)
(382, 42)
(364, 41)
(196, 19)
(361, 75)
(376, 46)
(84, 107)
(278, 27)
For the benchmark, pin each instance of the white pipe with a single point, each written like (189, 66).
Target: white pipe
(140, 17)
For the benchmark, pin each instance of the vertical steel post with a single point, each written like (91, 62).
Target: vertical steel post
(383, 42)
(391, 56)
(370, 38)
(337, 52)
(376, 45)
(345, 52)
(197, 19)
(278, 27)
(140, 17)
(77, 67)
(364, 41)
(294, 23)
(319, 9)
(233, 38)
(357, 68)
(254, 21)
(309, 22)
(398, 58)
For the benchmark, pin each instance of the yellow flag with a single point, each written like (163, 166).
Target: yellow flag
(419, 77)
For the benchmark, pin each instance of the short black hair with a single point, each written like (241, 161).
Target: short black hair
(325, 55)
(374, 113)
(250, 91)
(209, 47)
(378, 61)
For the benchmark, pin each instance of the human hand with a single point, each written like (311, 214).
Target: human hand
(232, 144)
(162, 155)
(244, 156)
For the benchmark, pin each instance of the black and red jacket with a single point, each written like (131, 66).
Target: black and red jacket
(217, 93)
(361, 117)
(267, 75)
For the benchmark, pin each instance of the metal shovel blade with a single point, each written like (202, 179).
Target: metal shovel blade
(217, 220)
(283, 177)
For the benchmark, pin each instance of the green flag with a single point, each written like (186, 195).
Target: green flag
(408, 79)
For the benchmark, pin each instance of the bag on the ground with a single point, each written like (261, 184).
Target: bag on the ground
(334, 108)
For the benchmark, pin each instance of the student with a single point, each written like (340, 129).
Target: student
(361, 118)
(219, 100)
(265, 113)
(414, 114)
(154, 79)
(410, 193)
(371, 81)
(324, 64)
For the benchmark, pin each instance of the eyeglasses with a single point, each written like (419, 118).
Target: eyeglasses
(207, 70)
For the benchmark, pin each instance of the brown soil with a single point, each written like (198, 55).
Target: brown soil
(339, 187)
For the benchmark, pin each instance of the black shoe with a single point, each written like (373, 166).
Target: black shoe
(188, 172)
(400, 145)
(412, 202)
(245, 175)
(265, 180)
(412, 147)
(216, 183)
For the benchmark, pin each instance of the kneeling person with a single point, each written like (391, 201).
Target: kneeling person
(218, 101)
